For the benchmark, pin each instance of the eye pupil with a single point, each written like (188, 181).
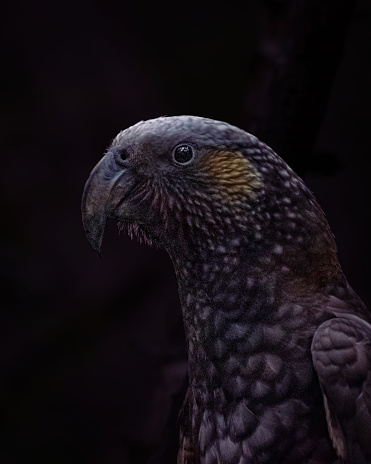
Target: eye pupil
(183, 154)
(123, 154)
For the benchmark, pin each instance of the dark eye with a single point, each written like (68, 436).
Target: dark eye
(183, 154)
(121, 155)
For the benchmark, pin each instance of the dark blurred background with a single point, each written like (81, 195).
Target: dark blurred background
(92, 356)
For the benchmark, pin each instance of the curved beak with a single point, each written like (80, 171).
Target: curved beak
(99, 198)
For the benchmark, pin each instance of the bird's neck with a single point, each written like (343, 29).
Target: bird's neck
(237, 296)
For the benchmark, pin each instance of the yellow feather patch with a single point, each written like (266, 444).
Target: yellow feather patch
(231, 173)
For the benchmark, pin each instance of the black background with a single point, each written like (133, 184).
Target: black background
(92, 350)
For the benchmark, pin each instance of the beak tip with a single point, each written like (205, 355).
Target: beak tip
(98, 251)
(95, 241)
(94, 231)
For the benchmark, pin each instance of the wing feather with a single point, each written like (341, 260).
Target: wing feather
(341, 351)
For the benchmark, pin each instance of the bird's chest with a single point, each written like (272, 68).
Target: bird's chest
(246, 349)
(257, 410)
(255, 394)
(244, 432)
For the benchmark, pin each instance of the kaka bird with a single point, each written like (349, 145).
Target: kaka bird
(279, 345)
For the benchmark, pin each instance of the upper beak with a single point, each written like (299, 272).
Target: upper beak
(99, 198)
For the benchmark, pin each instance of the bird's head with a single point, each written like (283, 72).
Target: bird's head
(171, 177)
(179, 180)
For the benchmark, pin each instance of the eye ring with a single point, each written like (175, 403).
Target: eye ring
(183, 154)
(121, 156)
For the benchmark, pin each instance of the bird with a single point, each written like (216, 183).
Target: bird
(278, 343)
